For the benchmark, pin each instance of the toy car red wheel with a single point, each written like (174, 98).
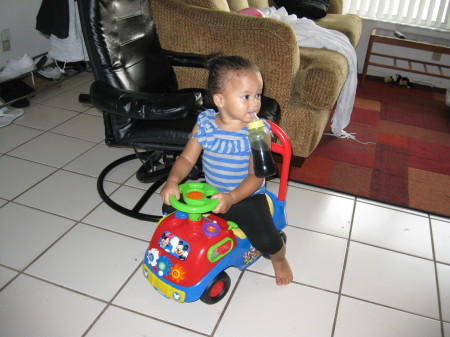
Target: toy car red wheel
(217, 289)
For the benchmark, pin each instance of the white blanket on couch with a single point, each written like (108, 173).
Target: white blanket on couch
(311, 35)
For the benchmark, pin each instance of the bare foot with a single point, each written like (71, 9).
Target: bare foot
(283, 272)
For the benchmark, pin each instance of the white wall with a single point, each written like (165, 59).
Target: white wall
(19, 16)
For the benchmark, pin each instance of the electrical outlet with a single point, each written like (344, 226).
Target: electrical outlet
(5, 34)
(6, 41)
(436, 56)
(6, 45)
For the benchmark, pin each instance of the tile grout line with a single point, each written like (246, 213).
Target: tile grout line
(341, 284)
(438, 294)
(23, 270)
(366, 244)
(222, 314)
(109, 303)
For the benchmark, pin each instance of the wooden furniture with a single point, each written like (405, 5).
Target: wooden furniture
(430, 44)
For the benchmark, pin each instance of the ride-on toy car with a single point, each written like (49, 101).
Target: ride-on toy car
(191, 249)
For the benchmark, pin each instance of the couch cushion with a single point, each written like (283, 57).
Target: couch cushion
(221, 5)
(237, 5)
(260, 3)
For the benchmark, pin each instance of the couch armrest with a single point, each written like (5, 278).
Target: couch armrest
(271, 44)
(319, 68)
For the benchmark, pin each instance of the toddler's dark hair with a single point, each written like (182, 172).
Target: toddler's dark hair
(222, 68)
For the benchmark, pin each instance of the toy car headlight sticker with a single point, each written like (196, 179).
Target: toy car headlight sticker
(178, 274)
(152, 256)
(174, 245)
(220, 249)
(163, 264)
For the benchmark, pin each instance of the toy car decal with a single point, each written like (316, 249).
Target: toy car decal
(152, 256)
(174, 245)
(178, 274)
(176, 296)
(220, 249)
(251, 255)
(163, 264)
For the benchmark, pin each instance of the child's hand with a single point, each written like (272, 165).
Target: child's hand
(225, 202)
(170, 188)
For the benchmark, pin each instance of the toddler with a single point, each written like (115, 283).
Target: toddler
(235, 86)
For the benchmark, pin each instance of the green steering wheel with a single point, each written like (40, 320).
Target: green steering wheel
(196, 201)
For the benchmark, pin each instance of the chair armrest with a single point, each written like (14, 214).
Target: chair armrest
(139, 105)
(185, 59)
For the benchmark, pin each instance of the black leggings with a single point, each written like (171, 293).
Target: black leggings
(252, 215)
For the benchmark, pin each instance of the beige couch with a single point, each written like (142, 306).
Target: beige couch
(305, 81)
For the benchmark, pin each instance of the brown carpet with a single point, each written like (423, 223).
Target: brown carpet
(407, 159)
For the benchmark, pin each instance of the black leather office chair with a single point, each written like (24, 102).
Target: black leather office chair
(136, 88)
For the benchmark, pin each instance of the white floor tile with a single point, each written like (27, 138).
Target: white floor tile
(392, 279)
(67, 100)
(138, 295)
(393, 207)
(90, 260)
(64, 193)
(25, 233)
(94, 111)
(261, 308)
(77, 80)
(319, 212)
(116, 322)
(84, 87)
(6, 275)
(446, 329)
(441, 239)
(319, 189)
(93, 162)
(361, 319)
(59, 149)
(15, 135)
(105, 217)
(29, 307)
(87, 127)
(44, 95)
(44, 117)
(316, 259)
(17, 175)
(444, 289)
(386, 228)
(2, 202)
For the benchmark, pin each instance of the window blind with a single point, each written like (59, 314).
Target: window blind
(424, 13)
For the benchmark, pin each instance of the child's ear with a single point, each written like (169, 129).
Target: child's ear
(218, 100)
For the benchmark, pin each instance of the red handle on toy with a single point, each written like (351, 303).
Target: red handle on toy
(285, 149)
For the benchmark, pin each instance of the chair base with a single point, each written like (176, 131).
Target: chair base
(157, 177)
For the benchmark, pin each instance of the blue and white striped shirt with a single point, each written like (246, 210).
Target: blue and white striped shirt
(225, 154)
